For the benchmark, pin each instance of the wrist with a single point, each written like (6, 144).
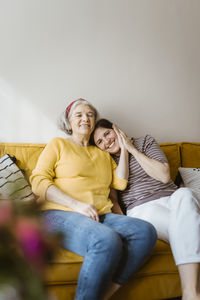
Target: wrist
(132, 150)
(123, 149)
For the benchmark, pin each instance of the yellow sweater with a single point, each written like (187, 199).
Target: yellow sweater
(84, 173)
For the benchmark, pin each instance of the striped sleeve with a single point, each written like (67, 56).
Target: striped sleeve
(153, 150)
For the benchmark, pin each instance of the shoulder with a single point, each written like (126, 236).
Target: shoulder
(140, 141)
(102, 155)
(100, 152)
(143, 139)
(145, 142)
(57, 143)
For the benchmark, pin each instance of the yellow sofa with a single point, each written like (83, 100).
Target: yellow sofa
(157, 279)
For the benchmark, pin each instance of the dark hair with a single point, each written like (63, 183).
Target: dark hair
(103, 123)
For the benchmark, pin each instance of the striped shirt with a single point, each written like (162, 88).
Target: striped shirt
(141, 187)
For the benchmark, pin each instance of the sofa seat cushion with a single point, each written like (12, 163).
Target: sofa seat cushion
(190, 155)
(172, 153)
(66, 270)
(62, 273)
(65, 256)
(161, 261)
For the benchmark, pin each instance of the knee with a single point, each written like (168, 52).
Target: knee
(148, 234)
(183, 192)
(183, 197)
(106, 240)
(152, 234)
(142, 232)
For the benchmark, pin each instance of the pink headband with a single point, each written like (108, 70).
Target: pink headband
(70, 105)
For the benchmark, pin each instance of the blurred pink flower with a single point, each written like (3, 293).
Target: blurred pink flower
(28, 233)
(25, 248)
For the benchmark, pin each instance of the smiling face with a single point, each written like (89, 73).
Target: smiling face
(82, 119)
(107, 140)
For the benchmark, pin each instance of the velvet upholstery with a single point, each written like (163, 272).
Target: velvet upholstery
(157, 279)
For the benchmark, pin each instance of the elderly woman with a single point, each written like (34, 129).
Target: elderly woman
(73, 180)
(152, 196)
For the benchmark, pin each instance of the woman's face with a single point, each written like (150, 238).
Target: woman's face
(107, 140)
(82, 119)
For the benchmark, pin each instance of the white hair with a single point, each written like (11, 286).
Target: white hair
(63, 121)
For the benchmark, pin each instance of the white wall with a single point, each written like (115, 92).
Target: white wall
(137, 61)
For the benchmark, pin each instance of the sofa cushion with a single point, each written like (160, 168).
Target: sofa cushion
(190, 155)
(191, 179)
(65, 256)
(66, 269)
(172, 153)
(13, 184)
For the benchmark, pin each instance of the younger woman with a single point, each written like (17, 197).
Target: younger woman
(152, 196)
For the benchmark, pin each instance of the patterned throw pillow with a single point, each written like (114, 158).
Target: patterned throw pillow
(191, 179)
(13, 184)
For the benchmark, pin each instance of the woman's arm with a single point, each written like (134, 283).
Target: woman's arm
(154, 168)
(122, 169)
(113, 197)
(54, 194)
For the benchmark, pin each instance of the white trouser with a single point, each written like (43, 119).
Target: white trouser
(177, 221)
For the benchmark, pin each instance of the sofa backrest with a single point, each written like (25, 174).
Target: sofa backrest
(183, 154)
(172, 152)
(190, 155)
(25, 153)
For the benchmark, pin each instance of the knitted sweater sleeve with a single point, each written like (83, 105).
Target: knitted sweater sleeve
(43, 174)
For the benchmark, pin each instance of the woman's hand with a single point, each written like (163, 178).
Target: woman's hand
(154, 168)
(86, 209)
(124, 140)
(54, 194)
(122, 170)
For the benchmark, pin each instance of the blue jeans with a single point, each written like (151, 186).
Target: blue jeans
(113, 249)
